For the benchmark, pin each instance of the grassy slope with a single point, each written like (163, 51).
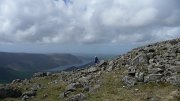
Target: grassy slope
(7, 75)
(111, 90)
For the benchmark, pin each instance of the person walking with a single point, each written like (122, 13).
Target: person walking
(96, 60)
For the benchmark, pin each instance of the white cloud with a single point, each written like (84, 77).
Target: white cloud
(88, 21)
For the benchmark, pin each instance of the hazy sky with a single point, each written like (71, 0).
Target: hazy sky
(87, 26)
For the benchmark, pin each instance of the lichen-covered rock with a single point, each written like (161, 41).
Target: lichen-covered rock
(140, 59)
(129, 81)
(153, 77)
(174, 80)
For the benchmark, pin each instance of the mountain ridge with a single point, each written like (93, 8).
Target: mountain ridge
(147, 73)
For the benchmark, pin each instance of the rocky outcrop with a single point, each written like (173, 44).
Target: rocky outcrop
(158, 62)
(41, 74)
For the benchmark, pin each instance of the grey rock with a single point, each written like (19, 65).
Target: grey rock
(25, 97)
(140, 59)
(174, 69)
(155, 70)
(151, 61)
(111, 63)
(48, 73)
(95, 88)
(129, 81)
(174, 80)
(85, 80)
(153, 77)
(150, 55)
(177, 62)
(102, 63)
(77, 97)
(16, 81)
(132, 71)
(140, 76)
(35, 87)
(153, 98)
(110, 68)
(92, 69)
(39, 74)
(29, 93)
(71, 88)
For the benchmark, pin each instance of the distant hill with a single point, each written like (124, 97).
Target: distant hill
(35, 62)
(147, 73)
(7, 75)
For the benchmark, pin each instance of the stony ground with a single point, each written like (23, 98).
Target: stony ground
(149, 73)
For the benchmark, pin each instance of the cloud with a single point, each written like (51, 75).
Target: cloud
(88, 22)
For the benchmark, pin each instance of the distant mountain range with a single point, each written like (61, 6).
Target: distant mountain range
(35, 62)
(20, 65)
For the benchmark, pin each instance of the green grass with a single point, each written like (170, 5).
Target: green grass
(111, 89)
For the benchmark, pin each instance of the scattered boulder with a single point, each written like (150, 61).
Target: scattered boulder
(132, 71)
(29, 93)
(153, 98)
(129, 81)
(110, 68)
(139, 76)
(77, 97)
(102, 63)
(39, 74)
(174, 69)
(71, 88)
(16, 81)
(155, 70)
(174, 80)
(25, 97)
(153, 78)
(140, 59)
(92, 69)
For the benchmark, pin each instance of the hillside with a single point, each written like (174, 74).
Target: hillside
(148, 73)
(22, 65)
(35, 62)
(7, 75)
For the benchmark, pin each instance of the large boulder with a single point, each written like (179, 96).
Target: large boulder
(29, 93)
(129, 81)
(153, 77)
(174, 80)
(140, 59)
(155, 70)
(77, 97)
(132, 71)
(92, 69)
(71, 88)
(40, 74)
(139, 76)
(174, 69)
(16, 81)
(6, 92)
(102, 63)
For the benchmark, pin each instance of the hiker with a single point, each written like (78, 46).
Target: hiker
(96, 60)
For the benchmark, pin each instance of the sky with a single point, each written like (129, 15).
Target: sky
(86, 26)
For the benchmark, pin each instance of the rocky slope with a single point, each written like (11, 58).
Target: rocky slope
(149, 73)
